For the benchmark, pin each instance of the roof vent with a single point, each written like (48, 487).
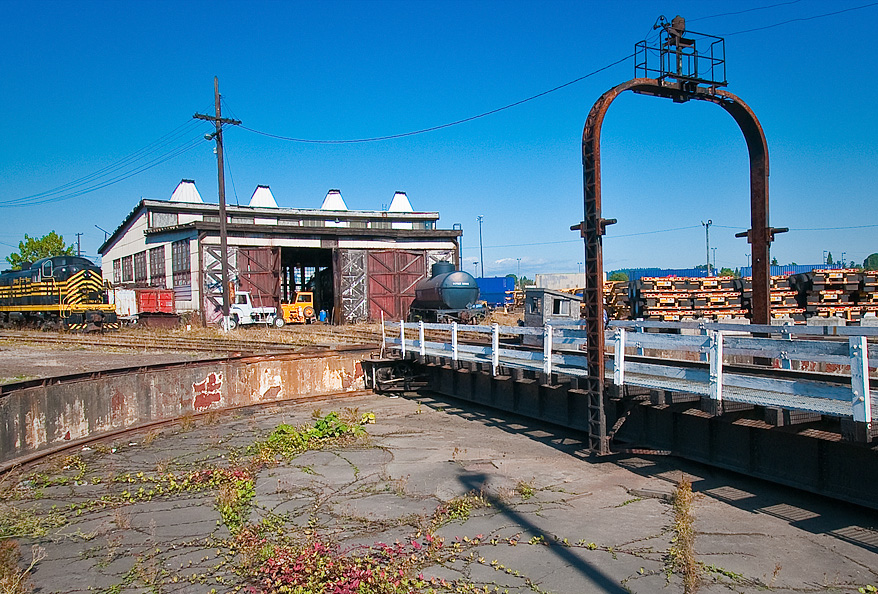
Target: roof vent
(400, 203)
(187, 192)
(333, 201)
(263, 198)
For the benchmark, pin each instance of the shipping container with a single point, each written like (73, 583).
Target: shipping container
(492, 289)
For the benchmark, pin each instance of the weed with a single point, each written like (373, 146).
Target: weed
(234, 499)
(151, 437)
(121, 518)
(525, 489)
(287, 441)
(629, 501)
(187, 421)
(12, 579)
(681, 554)
(212, 417)
(867, 588)
(459, 508)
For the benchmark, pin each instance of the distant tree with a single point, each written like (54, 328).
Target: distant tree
(618, 276)
(829, 261)
(793, 264)
(726, 272)
(774, 262)
(32, 249)
(525, 282)
(871, 262)
(701, 267)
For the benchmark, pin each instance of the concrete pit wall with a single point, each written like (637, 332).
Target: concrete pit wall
(44, 415)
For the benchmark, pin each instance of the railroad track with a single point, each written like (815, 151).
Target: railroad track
(279, 341)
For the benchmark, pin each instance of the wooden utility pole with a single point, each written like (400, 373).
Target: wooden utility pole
(218, 121)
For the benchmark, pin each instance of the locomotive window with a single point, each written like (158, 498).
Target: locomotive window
(47, 268)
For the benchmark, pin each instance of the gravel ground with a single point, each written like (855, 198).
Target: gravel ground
(519, 506)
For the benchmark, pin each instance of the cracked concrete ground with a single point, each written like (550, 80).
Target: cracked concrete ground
(554, 520)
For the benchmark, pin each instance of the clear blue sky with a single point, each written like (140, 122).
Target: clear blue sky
(84, 84)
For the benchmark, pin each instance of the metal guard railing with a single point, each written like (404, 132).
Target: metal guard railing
(714, 342)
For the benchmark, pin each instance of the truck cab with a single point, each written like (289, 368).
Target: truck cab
(243, 313)
(301, 310)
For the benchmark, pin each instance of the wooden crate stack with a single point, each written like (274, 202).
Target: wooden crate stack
(782, 296)
(868, 297)
(616, 300)
(673, 299)
(836, 293)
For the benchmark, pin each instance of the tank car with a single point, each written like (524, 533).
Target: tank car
(57, 292)
(447, 296)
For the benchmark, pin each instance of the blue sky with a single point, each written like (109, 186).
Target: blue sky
(84, 84)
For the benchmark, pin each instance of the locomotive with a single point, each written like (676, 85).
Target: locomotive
(447, 296)
(57, 292)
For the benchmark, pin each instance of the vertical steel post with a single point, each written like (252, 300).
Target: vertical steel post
(454, 352)
(619, 358)
(421, 337)
(862, 397)
(495, 349)
(547, 351)
(402, 337)
(716, 369)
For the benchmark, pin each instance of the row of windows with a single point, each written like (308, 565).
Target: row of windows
(169, 219)
(147, 268)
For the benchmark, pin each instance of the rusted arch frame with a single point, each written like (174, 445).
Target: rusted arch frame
(593, 226)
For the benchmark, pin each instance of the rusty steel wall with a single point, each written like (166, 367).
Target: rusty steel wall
(43, 417)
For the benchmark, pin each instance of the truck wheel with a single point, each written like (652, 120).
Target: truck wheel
(278, 322)
(308, 312)
(233, 322)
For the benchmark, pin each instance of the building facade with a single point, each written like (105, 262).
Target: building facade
(361, 265)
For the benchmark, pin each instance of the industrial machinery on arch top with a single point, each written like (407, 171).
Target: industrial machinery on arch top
(57, 292)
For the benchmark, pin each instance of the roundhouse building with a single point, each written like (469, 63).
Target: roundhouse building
(359, 263)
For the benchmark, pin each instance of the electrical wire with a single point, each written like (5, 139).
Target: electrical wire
(441, 126)
(722, 14)
(580, 240)
(179, 150)
(801, 19)
(119, 165)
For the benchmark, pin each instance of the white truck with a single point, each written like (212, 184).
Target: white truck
(242, 313)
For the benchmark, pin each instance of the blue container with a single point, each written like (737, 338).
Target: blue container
(492, 289)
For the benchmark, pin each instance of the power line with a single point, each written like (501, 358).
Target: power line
(442, 126)
(800, 19)
(809, 228)
(722, 14)
(116, 166)
(114, 180)
(124, 168)
(580, 240)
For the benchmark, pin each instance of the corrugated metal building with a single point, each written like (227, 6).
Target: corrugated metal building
(360, 264)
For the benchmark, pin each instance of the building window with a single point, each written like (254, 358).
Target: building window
(140, 275)
(127, 269)
(379, 224)
(163, 219)
(157, 266)
(313, 223)
(117, 271)
(180, 263)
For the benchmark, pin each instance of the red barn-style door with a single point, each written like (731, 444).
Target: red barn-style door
(393, 275)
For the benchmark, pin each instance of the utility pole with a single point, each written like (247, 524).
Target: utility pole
(218, 121)
(707, 241)
(481, 251)
(78, 250)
